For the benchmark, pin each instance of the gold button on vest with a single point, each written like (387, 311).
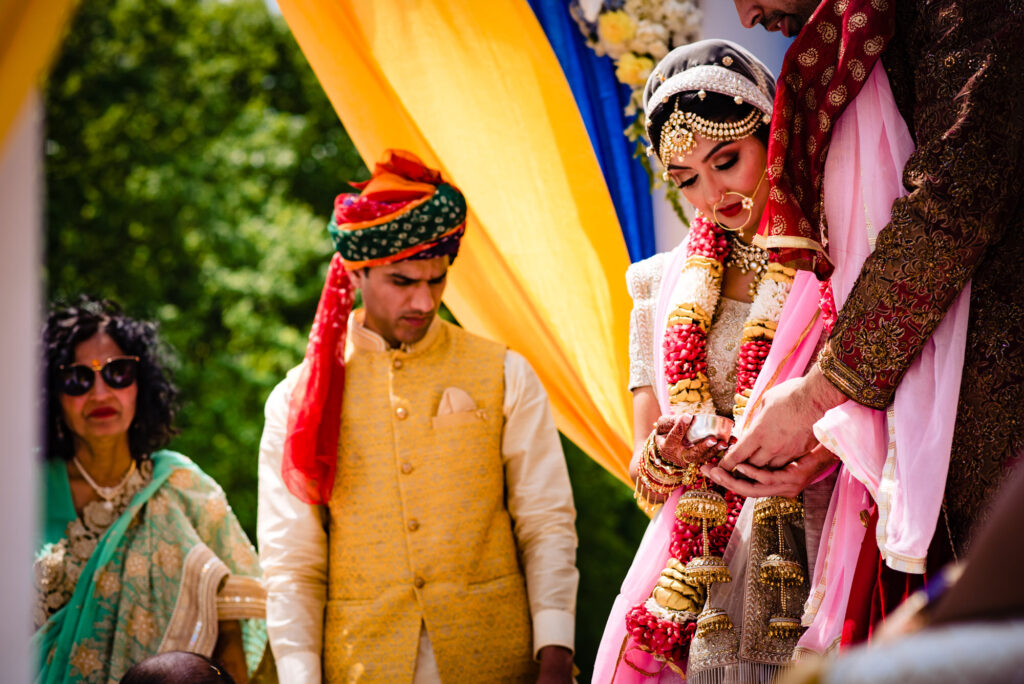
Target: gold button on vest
(418, 528)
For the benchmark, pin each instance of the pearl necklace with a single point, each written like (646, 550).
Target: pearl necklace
(105, 493)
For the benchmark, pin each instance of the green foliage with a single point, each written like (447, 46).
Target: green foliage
(192, 160)
(609, 526)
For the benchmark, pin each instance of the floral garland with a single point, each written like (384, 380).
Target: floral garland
(637, 34)
(697, 294)
(651, 627)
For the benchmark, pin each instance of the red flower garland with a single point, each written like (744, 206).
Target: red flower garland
(685, 365)
(665, 639)
(685, 340)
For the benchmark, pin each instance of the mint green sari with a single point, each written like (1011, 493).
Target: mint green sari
(174, 563)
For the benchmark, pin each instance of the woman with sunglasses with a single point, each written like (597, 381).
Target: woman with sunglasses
(140, 553)
(705, 315)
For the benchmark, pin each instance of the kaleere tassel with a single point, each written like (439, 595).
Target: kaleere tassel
(780, 570)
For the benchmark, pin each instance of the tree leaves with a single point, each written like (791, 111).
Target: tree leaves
(192, 160)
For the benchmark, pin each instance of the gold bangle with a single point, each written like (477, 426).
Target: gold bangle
(670, 475)
(652, 483)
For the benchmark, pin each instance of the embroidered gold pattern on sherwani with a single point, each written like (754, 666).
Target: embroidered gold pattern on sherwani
(955, 69)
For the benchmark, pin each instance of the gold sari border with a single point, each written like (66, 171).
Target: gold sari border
(240, 598)
(193, 624)
(789, 241)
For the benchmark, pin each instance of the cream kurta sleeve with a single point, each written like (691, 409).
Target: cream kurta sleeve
(540, 503)
(293, 555)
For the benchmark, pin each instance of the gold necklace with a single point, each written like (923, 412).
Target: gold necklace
(747, 258)
(105, 493)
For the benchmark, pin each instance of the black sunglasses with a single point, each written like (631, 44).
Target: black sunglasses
(118, 372)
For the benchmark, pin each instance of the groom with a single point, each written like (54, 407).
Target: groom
(953, 67)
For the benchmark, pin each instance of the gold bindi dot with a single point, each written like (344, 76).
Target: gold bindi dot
(727, 60)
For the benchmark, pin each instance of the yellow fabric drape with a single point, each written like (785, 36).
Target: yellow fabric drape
(29, 33)
(474, 89)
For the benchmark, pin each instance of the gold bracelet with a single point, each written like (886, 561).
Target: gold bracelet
(653, 484)
(659, 471)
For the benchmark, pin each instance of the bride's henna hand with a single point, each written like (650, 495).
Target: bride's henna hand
(675, 448)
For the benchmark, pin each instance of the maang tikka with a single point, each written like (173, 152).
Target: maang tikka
(677, 133)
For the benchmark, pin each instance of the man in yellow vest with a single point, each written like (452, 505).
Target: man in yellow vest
(415, 522)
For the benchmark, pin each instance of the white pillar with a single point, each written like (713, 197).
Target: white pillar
(21, 187)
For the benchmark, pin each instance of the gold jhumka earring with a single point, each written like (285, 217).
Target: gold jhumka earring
(780, 569)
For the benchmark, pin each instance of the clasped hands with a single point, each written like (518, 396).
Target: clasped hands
(778, 454)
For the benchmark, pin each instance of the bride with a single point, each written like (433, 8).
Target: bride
(704, 318)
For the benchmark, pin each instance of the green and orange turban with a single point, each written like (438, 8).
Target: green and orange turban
(405, 211)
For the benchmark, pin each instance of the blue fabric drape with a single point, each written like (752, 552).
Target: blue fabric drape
(601, 100)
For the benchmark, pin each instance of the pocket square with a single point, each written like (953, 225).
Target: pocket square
(455, 400)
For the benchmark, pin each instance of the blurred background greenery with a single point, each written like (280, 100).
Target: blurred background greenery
(191, 163)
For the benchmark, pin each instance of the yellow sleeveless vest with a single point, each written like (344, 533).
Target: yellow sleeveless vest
(418, 528)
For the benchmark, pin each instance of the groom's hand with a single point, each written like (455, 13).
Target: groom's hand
(781, 431)
(788, 481)
(555, 665)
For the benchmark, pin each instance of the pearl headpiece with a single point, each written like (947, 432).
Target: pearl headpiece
(677, 133)
(712, 78)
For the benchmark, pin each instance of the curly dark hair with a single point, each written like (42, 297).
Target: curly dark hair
(67, 326)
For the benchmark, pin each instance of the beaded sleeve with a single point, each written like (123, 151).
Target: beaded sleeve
(643, 282)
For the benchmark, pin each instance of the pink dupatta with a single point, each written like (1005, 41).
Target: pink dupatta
(794, 343)
(898, 457)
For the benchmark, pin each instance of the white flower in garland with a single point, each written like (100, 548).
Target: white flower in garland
(771, 298)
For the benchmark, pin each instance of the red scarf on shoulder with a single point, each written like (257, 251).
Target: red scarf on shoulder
(823, 71)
